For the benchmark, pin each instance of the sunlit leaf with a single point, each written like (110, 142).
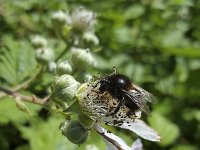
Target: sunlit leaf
(168, 130)
(17, 60)
(10, 113)
(46, 135)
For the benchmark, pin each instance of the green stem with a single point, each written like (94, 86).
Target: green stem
(30, 99)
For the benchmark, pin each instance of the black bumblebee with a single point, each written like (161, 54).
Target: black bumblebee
(115, 100)
(132, 96)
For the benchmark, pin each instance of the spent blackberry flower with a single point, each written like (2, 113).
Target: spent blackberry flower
(82, 19)
(114, 100)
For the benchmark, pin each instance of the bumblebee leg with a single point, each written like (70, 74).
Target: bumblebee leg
(119, 105)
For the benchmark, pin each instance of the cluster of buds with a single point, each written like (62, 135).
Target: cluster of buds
(76, 26)
(43, 54)
(80, 19)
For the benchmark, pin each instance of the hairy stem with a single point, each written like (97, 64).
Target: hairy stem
(30, 99)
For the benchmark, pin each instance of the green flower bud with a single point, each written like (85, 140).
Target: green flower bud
(52, 66)
(64, 68)
(87, 77)
(64, 88)
(39, 42)
(65, 30)
(85, 120)
(82, 19)
(75, 132)
(44, 55)
(64, 125)
(81, 90)
(60, 18)
(90, 38)
(82, 58)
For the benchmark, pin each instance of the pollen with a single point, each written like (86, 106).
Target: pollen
(101, 106)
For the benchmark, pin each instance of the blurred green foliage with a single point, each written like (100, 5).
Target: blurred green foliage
(156, 43)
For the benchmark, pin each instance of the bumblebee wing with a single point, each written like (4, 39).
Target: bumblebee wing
(146, 95)
(138, 99)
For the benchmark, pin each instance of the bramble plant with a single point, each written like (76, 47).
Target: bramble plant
(71, 76)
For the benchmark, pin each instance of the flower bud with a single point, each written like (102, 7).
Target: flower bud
(82, 19)
(52, 66)
(82, 58)
(87, 77)
(64, 88)
(90, 38)
(39, 42)
(63, 125)
(63, 68)
(65, 30)
(44, 55)
(60, 17)
(86, 121)
(75, 132)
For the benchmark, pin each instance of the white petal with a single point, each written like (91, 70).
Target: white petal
(137, 145)
(112, 141)
(143, 130)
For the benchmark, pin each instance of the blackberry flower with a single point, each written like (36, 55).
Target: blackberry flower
(101, 105)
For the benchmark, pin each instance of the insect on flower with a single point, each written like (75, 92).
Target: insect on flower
(115, 100)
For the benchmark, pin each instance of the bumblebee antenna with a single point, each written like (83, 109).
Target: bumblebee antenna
(115, 71)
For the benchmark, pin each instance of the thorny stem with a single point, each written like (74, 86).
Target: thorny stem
(68, 44)
(110, 140)
(102, 133)
(30, 99)
(62, 53)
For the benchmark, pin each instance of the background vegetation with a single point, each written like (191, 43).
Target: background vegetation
(156, 43)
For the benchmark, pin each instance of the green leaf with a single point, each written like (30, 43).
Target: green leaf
(186, 52)
(17, 60)
(122, 35)
(184, 147)
(46, 135)
(190, 114)
(94, 140)
(23, 147)
(10, 113)
(168, 130)
(134, 11)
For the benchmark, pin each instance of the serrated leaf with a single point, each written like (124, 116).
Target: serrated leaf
(168, 130)
(46, 135)
(9, 112)
(17, 60)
